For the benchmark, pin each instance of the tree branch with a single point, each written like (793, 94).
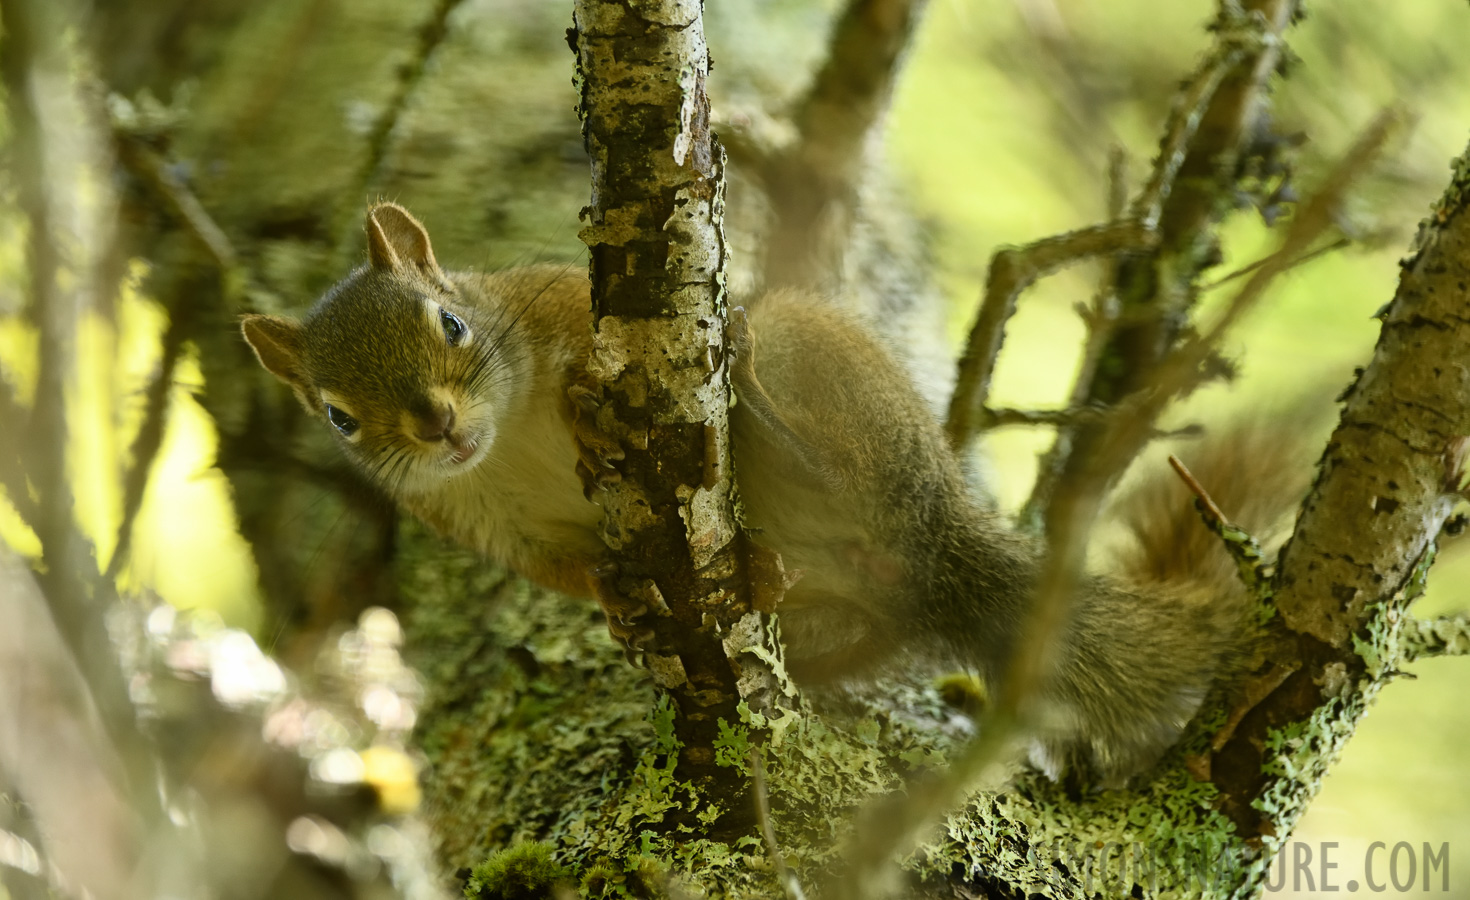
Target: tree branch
(657, 265)
(1444, 636)
(1012, 270)
(813, 184)
(1188, 193)
(1363, 541)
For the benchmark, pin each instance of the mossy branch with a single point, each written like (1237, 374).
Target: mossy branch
(1351, 567)
(1250, 560)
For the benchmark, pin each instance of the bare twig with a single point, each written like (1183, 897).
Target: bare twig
(181, 201)
(999, 418)
(431, 36)
(1299, 261)
(1189, 110)
(784, 875)
(1249, 558)
(1012, 270)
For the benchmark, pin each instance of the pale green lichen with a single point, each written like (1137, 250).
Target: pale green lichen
(538, 730)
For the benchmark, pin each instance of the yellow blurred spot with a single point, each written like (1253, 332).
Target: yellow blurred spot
(394, 776)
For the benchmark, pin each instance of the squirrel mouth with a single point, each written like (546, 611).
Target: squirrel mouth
(463, 450)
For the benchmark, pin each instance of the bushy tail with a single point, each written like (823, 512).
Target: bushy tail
(1148, 640)
(1255, 469)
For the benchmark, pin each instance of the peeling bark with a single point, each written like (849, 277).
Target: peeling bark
(658, 259)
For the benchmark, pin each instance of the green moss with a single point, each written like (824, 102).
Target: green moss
(526, 871)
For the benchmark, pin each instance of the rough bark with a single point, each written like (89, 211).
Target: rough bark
(658, 268)
(1366, 536)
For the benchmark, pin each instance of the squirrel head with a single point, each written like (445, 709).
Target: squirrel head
(404, 371)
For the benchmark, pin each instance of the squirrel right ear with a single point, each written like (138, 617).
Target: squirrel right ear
(277, 344)
(395, 239)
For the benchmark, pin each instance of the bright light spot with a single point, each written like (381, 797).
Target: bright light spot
(313, 836)
(241, 673)
(17, 853)
(339, 766)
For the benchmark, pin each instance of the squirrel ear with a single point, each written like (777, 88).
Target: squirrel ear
(395, 238)
(277, 344)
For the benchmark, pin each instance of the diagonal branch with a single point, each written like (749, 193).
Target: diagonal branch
(891, 825)
(1189, 192)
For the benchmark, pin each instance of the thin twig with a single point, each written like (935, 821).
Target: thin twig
(1212, 514)
(410, 74)
(1250, 559)
(1012, 270)
(789, 882)
(181, 201)
(1189, 110)
(1000, 418)
(1300, 260)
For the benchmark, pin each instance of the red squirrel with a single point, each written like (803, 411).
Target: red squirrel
(453, 392)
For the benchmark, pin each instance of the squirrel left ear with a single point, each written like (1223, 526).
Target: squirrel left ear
(396, 239)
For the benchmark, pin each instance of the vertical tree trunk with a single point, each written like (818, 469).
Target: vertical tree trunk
(658, 258)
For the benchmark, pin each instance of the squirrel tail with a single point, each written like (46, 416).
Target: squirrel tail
(1255, 470)
(1148, 640)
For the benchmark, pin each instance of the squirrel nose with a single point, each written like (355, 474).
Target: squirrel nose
(434, 422)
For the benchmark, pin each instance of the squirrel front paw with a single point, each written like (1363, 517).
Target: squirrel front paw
(626, 614)
(597, 450)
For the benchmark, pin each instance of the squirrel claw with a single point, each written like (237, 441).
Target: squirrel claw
(596, 449)
(624, 613)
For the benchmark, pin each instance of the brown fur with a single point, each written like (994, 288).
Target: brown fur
(842, 468)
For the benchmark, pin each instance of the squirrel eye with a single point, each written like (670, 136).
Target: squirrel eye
(454, 327)
(341, 421)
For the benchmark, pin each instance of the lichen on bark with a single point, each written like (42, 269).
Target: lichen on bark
(657, 262)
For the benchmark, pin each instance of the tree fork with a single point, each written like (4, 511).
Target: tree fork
(657, 266)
